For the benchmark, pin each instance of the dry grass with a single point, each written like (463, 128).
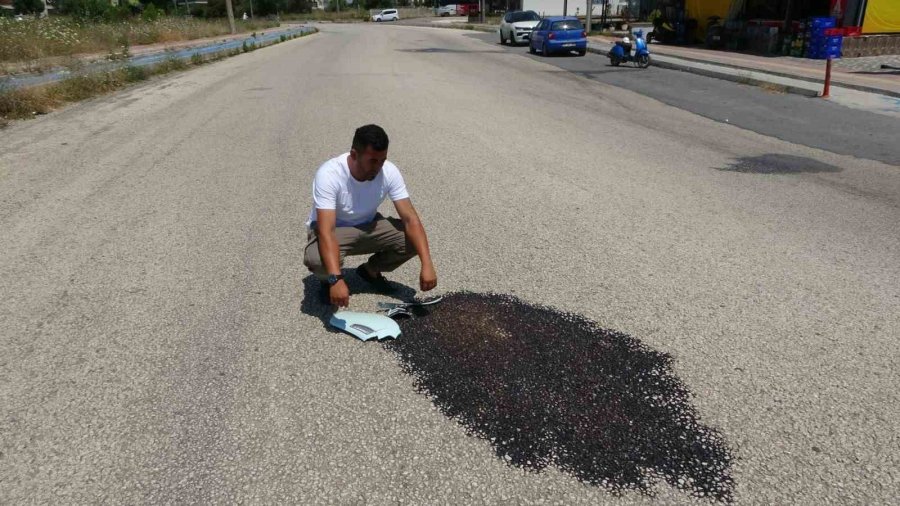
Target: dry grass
(29, 102)
(26, 103)
(18, 104)
(318, 15)
(33, 39)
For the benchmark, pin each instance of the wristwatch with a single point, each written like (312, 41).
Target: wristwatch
(333, 279)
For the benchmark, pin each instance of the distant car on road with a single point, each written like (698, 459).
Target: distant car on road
(516, 26)
(558, 35)
(386, 15)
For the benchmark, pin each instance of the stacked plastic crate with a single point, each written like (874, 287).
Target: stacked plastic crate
(825, 40)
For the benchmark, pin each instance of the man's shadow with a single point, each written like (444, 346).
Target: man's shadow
(314, 305)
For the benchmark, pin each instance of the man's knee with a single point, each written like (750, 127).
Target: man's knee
(313, 262)
(397, 241)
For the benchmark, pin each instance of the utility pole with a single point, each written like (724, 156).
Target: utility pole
(587, 19)
(786, 26)
(565, 7)
(251, 9)
(603, 7)
(862, 13)
(230, 16)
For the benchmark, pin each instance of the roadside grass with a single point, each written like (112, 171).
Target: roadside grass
(33, 39)
(24, 103)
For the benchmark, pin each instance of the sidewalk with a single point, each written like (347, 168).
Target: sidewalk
(882, 100)
(864, 74)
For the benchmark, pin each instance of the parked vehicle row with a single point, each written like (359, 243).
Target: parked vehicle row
(457, 8)
(566, 34)
(555, 34)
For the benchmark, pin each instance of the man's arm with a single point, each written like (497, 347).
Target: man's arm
(330, 253)
(415, 232)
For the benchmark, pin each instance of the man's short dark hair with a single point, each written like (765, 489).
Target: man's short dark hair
(370, 136)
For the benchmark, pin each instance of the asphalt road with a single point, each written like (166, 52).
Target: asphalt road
(161, 342)
(797, 119)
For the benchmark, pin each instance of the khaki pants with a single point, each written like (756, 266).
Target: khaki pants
(383, 238)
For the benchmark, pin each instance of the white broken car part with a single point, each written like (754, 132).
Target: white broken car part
(365, 326)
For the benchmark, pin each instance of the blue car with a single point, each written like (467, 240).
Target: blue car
(558, 34)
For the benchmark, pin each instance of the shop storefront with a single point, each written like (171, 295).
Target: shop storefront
(782, 26)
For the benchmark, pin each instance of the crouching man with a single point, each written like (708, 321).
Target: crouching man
(344, 220)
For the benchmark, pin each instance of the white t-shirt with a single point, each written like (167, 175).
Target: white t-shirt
(355, 202)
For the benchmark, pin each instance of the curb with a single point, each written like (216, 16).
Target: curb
(796, 90)
(834, 82)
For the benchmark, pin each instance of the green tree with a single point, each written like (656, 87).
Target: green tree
(28, 6)
(86, 9)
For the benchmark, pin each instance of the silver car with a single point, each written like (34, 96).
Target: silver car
(386, 15)
(517, 25)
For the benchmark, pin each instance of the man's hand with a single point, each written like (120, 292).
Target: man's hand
(428, 278)
(339, 294)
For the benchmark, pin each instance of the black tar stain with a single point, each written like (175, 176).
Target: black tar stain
(552, 388)
(779, 164)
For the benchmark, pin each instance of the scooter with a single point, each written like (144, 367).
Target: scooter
(621, 52)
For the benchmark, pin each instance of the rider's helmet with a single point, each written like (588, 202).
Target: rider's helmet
(626, 40)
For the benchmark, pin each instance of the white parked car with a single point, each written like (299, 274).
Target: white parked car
(386, 15)
(447, 10)
(516, 26)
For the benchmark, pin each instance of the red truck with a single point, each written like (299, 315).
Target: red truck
(465, 9)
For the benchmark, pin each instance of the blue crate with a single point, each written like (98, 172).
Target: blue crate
(822, 23)
(818, 32)
(831, 40)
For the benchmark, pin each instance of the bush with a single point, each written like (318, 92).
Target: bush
(134, 74)
(152, 13)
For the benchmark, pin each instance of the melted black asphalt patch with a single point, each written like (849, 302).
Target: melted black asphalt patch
(779, 164)
(552, 388)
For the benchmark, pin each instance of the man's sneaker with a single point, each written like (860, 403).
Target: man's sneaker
(379, 283)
